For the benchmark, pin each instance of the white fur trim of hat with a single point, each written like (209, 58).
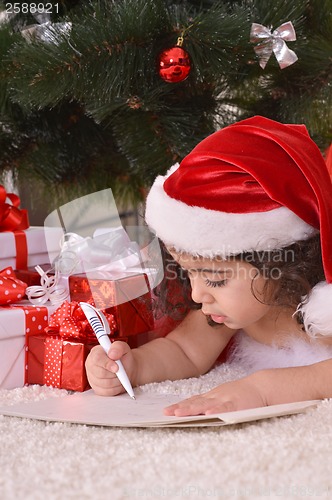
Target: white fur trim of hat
(210, 233)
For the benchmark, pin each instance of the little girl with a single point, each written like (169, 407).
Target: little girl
(247, 216)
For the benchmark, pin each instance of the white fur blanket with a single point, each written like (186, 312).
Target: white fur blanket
(287, 457)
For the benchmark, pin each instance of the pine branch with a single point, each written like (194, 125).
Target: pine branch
(90, 105)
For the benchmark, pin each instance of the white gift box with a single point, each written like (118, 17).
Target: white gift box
(14, 326)
(43, 244)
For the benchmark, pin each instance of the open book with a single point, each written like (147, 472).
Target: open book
(146, 411)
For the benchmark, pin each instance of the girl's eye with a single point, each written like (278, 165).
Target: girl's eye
(215, 284)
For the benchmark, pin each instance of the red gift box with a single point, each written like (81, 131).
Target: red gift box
(57, 357)
(56, 362)
(133, 316)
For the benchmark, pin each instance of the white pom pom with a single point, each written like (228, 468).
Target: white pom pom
(316, 310)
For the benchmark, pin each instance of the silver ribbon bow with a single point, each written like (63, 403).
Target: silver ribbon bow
(268, 42)
(46, 31)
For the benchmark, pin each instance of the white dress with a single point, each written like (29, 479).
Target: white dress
(253, 356)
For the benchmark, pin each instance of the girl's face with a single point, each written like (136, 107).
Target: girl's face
(229, 291)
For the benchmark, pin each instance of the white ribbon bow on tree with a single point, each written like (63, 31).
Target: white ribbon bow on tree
(268, 42)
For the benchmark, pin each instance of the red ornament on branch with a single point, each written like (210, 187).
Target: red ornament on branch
(174, 63)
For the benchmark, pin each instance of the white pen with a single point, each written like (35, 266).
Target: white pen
(101, 329)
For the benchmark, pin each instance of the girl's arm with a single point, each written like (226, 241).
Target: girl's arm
(302, 383)
(263, 388)
(189, 350)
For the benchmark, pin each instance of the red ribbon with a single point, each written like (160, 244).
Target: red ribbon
(69, 321)
(14, 219)
(11, 289)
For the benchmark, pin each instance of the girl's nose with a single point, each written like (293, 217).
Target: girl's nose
(199, 294)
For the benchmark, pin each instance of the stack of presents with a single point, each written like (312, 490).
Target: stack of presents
(44, 334)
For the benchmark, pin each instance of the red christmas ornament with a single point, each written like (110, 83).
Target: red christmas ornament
(174, 64)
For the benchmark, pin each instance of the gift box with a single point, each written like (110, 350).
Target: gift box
(29, 247)
(56, 362)
(57, 356)
(113, 292)
(17, 321)
(135, 322)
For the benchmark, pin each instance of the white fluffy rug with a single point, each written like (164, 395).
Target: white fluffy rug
(287, 457)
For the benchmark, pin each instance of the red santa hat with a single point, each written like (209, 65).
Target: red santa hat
(256, 185)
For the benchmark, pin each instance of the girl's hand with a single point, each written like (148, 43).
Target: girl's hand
(231, 396)
(101, 368)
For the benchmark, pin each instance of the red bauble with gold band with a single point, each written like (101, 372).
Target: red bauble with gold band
(174, 64)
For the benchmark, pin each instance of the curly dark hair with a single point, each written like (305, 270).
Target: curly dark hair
(299, 268)
(293, 272)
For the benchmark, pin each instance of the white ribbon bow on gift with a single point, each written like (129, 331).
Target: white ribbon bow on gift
(275, 42)
(49, 289)
(108, 250)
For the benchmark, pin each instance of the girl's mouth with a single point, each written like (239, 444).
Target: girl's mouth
(215, 319)
(218, 319)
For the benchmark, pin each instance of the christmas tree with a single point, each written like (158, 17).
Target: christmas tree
(85, 102)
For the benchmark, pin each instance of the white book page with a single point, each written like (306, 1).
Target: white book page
(146, 411)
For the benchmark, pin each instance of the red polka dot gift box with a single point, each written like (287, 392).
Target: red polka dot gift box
(18, 318)
(56, 357)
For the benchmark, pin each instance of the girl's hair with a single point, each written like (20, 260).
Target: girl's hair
(291, 271)
(174, 292)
